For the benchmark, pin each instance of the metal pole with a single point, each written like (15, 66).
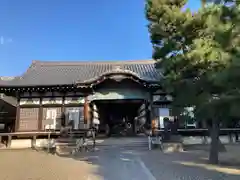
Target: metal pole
(149, 142)
(94, 139)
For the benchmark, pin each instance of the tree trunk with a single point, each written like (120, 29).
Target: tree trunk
(236, 137)
(214, 147)
(203, 3)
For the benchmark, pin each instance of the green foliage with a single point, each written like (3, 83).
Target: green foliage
(198, 54)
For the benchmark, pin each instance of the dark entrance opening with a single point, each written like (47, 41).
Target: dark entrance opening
(117, 117)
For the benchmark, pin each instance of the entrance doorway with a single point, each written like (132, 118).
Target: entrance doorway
(117, 117)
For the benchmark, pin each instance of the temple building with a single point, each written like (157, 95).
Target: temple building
(50, 94)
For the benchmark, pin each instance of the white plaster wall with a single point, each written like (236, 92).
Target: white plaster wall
(21, 143)
(27, 143)
(41, 143)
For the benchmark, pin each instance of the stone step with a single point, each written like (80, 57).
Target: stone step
(65, 150)
(173, 147)
(66, 145)
(169, 147)
(135, 145)
(123, 145)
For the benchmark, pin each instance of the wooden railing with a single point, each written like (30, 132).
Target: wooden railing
(8, 137)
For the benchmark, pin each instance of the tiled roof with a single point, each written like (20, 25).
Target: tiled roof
(8, 99)
(43, 73)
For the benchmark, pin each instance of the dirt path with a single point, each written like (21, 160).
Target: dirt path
(116, 159)
(32, 165)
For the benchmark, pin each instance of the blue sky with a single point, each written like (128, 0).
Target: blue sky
(72, 30)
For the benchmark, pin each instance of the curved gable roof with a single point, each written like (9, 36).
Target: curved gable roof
(46, 73)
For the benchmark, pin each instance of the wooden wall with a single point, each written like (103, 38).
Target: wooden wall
(28, 119)
(32, 109)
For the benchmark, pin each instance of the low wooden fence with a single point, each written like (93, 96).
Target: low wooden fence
(203, 132)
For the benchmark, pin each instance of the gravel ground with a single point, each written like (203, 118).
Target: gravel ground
(189, 166)
(32, 165)
(116, 160)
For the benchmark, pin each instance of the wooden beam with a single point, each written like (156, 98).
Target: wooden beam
(86, 111)
(151, 108)
(63, 112)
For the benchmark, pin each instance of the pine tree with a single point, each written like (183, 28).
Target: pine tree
(196, 53)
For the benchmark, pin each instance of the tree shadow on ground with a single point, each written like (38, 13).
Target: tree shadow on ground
(110, 161)
(228, 158)
(196, 166)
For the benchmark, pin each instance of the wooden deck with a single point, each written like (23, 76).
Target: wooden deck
(6, 138)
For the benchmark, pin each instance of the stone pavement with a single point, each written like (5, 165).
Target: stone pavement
(116, 159)
(130, 159)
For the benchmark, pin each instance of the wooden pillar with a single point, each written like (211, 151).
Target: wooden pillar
(63, 120)
(146, 111)
(34, 140)
(40, 115)
(17, 114)
(86, 111)
(9, 141)
(151, 108)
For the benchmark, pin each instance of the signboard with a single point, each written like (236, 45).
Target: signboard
(51, 116)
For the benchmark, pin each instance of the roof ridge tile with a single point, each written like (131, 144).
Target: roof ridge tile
(70, 63)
